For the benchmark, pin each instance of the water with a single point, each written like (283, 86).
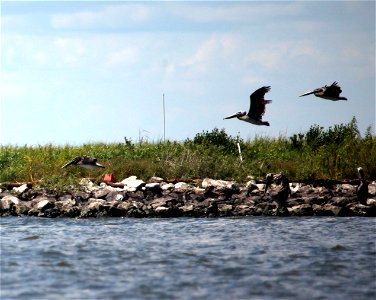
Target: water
(226, 258)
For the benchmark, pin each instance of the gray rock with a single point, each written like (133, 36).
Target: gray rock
(207, 182)
(167, 186)
(8, 201)
(155, 179)
(44, 204)
(301, 210)
(181, 186)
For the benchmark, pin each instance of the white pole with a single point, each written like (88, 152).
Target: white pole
(164, 120)
(240, 152)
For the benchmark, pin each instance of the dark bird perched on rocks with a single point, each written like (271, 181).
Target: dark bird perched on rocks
(327, 92)
(256, 109)
(86, 162)
(362, 188)
(283, 190)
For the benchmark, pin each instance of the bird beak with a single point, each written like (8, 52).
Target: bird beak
(306, 94)
(68, 164)
(230, 117)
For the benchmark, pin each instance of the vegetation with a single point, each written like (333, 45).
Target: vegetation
(332, 153)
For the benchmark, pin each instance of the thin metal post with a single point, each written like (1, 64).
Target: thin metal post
(164, 120)
(240, 152)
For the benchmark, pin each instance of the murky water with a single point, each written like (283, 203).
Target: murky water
(226, 258)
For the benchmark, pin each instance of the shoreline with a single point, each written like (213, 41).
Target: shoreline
(158, 198)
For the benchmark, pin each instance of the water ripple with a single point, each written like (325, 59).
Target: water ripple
(238, 258)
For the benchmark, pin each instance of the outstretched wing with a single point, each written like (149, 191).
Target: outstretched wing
(333, 91)
(74, 161)
(257, 108)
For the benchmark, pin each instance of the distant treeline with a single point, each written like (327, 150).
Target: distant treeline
(332, 153)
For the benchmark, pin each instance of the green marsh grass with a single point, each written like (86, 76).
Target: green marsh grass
(334, 153)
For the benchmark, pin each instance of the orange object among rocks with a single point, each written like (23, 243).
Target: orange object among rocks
(109, 178)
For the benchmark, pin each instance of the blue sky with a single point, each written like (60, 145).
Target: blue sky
(95, 71)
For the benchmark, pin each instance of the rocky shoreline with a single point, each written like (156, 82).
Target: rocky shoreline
(201, 198)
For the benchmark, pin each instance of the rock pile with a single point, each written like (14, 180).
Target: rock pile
(205, 198)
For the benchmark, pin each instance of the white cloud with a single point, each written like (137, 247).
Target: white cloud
(11, 90)
(225, 12)
(14, 21)
(110, 16)
(276, 54)
(127, 55)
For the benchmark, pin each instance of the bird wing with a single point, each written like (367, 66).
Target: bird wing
(334, 90)
(257, 108)
(73, 161)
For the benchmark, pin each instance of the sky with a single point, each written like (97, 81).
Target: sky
(75, 72)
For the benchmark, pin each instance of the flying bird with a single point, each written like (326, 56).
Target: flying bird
(256, 109)
(86, 162)
(328, 92)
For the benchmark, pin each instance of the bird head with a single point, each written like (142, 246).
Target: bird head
(361, 173)
(237, 115)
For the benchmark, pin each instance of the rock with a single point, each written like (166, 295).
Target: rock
(132, 183)
(153, 189)
(167, 186)
(346, 187)
(158, 199)
(187, 209)
(301, 210)
(306, 189)
(207, 182)
(340, 201)
(155, 179)
(225, 209)
(65, 197)
(181, 186)
(242, 210)
(87, 183)
(94, 208)
(7, 203)
(117, 196)
(101, 193)
(316, 200)
(44, 204)
(22, 208)
(251, 186)
(295, 186)
(337, 211)
(362, 210)
(158, 203)
(21, 189)
(372, 189)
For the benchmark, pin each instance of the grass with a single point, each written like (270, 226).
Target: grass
(334, 153)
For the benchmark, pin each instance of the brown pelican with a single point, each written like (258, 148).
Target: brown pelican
(362, 188)
(283, 191)
(328, 92)
(84, 162)
(257, 108)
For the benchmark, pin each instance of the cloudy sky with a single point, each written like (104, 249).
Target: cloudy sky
(95, 71)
